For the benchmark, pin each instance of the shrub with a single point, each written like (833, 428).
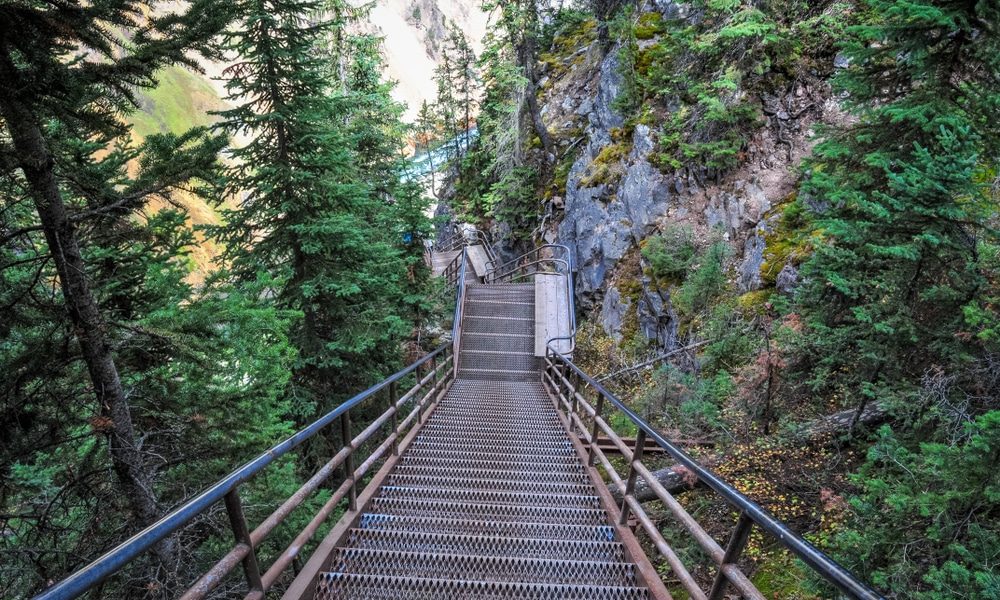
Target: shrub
(670, 254)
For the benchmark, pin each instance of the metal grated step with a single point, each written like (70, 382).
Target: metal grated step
(520, 484)
(477, 360)
(473, 526)
(485, 545)
(498, 476)
(498, 342)
(498, 325)
(509, 463)
(337, 586)
(481, 568)
(497, 497)
(490, 512)
(499, 374)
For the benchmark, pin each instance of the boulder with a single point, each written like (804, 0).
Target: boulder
(613, 313)
(787, 280)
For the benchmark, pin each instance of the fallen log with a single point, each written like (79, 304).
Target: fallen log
(677, 478)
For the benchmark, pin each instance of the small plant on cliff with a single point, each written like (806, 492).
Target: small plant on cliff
(670, 254)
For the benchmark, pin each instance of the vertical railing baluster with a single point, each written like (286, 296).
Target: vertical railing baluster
(598, 409)
(345, 434)
(242, 534)
(577, 380)
(393, 398)
(737, 543)
(434, 377)
(640, 443)
(422, 406)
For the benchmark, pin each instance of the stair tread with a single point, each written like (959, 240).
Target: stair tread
(337, 585)
(458, 543)
(481, 567)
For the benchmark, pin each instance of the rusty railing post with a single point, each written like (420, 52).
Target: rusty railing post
(434, 377)
(393, 397)
(598, 408)
(577, 380)
(640, 443)
(345, 434)
(238, 522)
(737, 543)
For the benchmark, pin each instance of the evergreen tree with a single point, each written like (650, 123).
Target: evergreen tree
(466, 79)
(905, 211)
(895, 295)
(521, 23)
(68, 76)
(447, 101)
(315, 178)
(426, 134)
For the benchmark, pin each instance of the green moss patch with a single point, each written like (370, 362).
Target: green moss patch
(649, 26)
(607, 167)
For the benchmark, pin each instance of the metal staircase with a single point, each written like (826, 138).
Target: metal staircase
(491, 500)
(485, 476)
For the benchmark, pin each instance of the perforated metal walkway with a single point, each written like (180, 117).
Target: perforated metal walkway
(492, 500)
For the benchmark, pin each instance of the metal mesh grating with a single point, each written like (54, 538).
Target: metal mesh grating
(481, 568)
(489, 512)
(486, 545)
(514, 342)
(498, 325)
(445, 480)
(493, 359)
(510, 462)
(523, 529)
(478, 496)
(336, 586)
(408, 474)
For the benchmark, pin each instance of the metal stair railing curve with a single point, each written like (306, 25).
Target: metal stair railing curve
(529, 264)
(469, 237)
(431, 374)
(587, 422)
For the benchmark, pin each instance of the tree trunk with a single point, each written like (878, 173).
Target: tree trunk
(89, 327)
(528, 58)
(675, 479)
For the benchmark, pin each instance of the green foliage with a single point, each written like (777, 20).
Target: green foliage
(894, 295)
(687, 402)
(898, 267)
(670, 253)
(706, 281)
(705, 75)
(318, 172)
(180, 101)
(926, 520)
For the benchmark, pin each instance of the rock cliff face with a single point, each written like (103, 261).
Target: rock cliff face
(615, 198)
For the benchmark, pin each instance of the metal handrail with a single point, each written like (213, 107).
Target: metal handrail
(227, 489)
(519, 266)
(462, 239)
(570, 395)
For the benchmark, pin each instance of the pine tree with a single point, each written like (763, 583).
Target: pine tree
(894, 293)
(68, 76)
(315, 179)
(447, 102)
(426, 133)
(905, 208)
(521, 23)
(466, 81)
